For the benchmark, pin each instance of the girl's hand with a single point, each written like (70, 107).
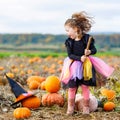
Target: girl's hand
(87, 52)
(83, 58)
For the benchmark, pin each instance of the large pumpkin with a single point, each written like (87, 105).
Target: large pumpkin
(31, 102)
(51, 99)
(52, 84)
(109, 106)
(21, 113)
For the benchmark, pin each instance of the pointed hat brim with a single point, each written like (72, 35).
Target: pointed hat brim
(23, 97)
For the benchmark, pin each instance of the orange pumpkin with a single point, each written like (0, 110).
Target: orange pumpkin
(31, 102)
(109, 106)
(104, 91)
(34, 85)
(50, 99)
(29, 71)
(52, 84)
(42, 86)
(1, 68)
(35, 81)
(35, 78)
(9, 74)
(3, 81)
(21, 113)
(110, 94)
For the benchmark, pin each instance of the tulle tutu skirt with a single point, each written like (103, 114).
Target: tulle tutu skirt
(72, 72)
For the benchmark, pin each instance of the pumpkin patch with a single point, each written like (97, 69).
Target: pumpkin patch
(51, 103)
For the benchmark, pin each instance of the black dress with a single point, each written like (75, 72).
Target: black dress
(75, 50)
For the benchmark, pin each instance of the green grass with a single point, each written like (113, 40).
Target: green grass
(54, 54)
(31, 54)
(108, 53)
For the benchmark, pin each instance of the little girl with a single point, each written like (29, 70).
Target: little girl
(72, 73)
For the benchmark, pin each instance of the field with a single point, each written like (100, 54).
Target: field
(21, 67)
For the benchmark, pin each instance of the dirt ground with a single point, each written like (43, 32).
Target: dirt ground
(56, 113)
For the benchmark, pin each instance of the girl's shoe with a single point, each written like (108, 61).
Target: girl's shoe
(70, 109)
(86, 109)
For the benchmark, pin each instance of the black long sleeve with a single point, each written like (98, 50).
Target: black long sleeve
(71, 54)
(75, 49)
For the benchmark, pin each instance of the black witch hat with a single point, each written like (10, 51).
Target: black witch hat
(18, 90)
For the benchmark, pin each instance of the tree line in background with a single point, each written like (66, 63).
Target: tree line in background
(103, 41)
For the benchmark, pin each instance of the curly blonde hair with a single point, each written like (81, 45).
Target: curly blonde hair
(81, 21)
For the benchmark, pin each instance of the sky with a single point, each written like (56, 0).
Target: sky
(49, 16)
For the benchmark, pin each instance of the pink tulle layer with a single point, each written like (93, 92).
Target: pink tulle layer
(101, 67)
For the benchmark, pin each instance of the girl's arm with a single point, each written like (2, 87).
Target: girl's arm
(92, 50)
(92, 47)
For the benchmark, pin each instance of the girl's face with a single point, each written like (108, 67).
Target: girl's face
(71, 32)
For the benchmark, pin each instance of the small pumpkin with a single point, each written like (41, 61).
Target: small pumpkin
(42, 86)
(3, 80)
(51, 99)
(110, 94)
(35, 78)
(35, 81)
(34, 85)
(11, 75)
(21, 113)
(52, 84)
(104, 91)
(31, 102)
(109, 106)
(1, 68)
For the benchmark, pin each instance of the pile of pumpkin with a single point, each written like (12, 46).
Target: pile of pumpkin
(108, 104)
(51, 97)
